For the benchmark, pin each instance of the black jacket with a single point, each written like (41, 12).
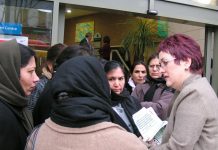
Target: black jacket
(12, 133)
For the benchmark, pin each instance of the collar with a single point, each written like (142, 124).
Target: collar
(190, 79)
(131, 83)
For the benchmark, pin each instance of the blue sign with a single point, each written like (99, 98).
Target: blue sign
(10, 28)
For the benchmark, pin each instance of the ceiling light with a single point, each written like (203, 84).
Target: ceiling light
(68, 11)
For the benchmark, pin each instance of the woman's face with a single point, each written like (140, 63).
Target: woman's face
(174, 74)
(138, 74)
(116, 80)
(28, 77)
(154, 68)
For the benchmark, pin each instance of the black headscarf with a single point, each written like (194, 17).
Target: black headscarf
(11, 92)
(81, 93)
(154, 84)
(123, 98)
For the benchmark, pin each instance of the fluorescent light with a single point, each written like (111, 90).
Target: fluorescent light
(45, 10)
(203, 1)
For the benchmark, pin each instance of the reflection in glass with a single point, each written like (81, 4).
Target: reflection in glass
(35, 17)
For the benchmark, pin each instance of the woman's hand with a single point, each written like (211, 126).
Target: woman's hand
(150, 143)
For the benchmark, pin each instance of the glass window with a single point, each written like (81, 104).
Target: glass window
(33, 16)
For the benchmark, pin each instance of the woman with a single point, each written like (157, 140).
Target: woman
(17, 80)
(123, 104)
(138, 74)
(154, 93)
(43, 106)
(47, 71)
(193, 122)
(82, 114)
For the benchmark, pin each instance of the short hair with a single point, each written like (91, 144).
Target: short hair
(110, 65)
(106, 39)
(54, 52)
(70, 52)
(183, 47)
(88, 34)
(26, 53)
(138, 62)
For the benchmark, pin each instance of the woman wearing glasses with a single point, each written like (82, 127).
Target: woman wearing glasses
(154, 92)
(193, 122)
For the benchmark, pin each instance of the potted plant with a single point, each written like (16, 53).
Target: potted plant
(142, 40)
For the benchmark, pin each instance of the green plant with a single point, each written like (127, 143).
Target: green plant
(142, 39)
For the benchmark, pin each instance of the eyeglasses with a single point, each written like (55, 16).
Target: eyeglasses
(164, 62)
(153, 66)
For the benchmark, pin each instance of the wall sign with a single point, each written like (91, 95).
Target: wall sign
(10, 28)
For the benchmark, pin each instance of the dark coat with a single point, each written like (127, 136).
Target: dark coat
(12, 133)
(130, 106)
(105, 51)
(42, 109)
(84, 42)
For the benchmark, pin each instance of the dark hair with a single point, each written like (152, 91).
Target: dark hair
(138, 62)
(110, 65)
(151, 57)
(26, 53)
(70, 52)
(54, 52)
(183, 47)
(88, 34)
(106, 39)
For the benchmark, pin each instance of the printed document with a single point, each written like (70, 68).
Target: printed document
(148, 124)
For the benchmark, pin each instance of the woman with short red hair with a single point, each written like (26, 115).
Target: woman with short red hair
(193, 122)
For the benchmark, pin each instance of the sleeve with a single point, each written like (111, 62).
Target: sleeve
(136, 103)
(9, 138)
(138, 92)
(189, 121)
(161, 105)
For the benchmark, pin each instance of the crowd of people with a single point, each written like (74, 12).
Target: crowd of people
(80, 102)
